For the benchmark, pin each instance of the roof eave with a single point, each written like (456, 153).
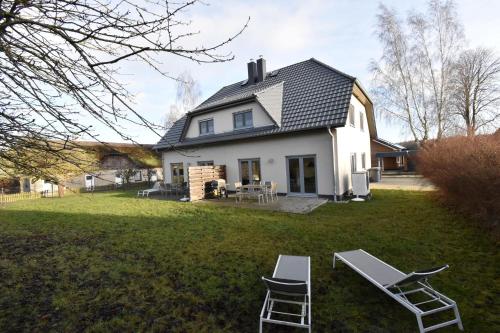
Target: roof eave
(367, 102)
(222, 105)
(180, 145)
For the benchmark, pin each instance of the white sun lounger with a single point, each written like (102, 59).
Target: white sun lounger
(401, 286)
(291, 286)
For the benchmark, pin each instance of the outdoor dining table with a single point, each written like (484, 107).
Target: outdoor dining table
(257, 190)
(253, 187)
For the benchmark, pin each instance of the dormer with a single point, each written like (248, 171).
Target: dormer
(238, 113)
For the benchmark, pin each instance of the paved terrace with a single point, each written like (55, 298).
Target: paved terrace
(297, 205)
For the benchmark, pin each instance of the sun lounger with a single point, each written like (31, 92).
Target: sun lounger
(145, 193)
(403, 287)
(288, 289)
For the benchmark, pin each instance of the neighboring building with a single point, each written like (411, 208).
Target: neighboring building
(388, 155)
(306, 126)
(30, 184)
(107, 162)
(113, 160)
(412, 148)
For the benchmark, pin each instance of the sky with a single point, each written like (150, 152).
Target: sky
(337, 32)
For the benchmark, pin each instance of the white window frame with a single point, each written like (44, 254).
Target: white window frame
(352, 116)
(361, 121)
(354, 166)
(245, 125)
(203, 121)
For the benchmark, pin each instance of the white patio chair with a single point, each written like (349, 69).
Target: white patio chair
(290, 285)
(267, 190)
(240, 193)
(273, 191)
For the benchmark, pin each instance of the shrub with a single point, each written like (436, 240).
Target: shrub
(466, 171)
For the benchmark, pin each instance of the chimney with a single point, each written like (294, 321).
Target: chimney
(261, 69)
(252, 72)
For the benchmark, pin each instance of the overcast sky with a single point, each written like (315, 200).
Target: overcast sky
(337, 32)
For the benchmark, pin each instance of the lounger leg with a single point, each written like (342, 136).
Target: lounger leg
(309, 319)
(420, 324)
(334, 259)
(457, 315)
(260, 326)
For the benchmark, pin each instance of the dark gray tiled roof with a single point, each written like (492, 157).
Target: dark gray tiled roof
(314, 95)
(173, 134)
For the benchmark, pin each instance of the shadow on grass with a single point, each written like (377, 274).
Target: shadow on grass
(135, 265)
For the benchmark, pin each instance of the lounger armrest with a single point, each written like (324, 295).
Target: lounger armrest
(285, 286)
(417, 276)
(433, 270)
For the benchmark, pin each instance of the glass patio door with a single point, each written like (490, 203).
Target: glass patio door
(250, 171)
(177, 173)
(301, 174)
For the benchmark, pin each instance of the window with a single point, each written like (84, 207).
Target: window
(363, 160)
(243, 119)
(351, 115)
(361, 121)
(206, 126)
(177, 173)
(353, 162)
(205, 163)
(250, 171)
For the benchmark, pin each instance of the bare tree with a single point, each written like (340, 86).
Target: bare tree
(412, 79)
(59, 67)
(187, 97)
(476, 98)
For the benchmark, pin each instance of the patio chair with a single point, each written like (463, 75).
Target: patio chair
(146, 193)
(287, 290)
(240, 192)
(267, 190)
(178, 188)
(167, 189)
(270, 190)
(403, 287)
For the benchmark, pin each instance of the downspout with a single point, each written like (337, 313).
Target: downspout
(334, 162)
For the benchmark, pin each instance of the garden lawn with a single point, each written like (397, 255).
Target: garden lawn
(112, 262)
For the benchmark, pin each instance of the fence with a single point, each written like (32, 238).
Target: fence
(7, 198)
(111, 187)
(199, 175)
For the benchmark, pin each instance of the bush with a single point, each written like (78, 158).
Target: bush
(466, 170)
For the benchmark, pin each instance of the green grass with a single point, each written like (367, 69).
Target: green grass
(111, 262)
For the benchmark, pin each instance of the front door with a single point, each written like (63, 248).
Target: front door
(301, 175)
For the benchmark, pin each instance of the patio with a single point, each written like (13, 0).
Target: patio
(288, 204)
(249, 199)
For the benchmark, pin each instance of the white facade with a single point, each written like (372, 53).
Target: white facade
(336, 153)
(352, 140)
(272, 151)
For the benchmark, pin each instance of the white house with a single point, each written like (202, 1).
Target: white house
(306, 126)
